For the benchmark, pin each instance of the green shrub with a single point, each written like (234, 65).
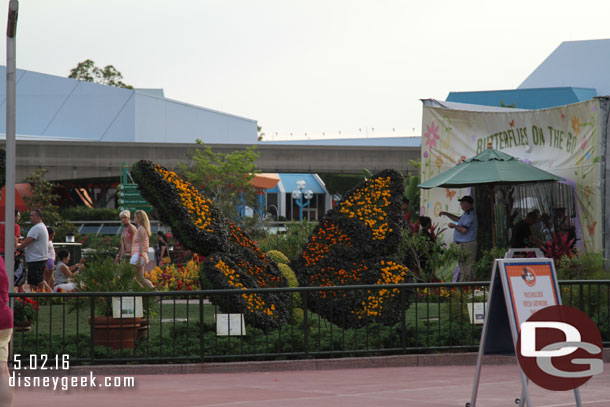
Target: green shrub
(290, 243)
(430, 260)
(483, 266)
(278, 256)
(584, 266)
(85, 213)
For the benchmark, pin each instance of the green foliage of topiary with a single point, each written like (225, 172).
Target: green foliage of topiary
(287, 272)
(291, 278)
(278, 257)
(298, 315)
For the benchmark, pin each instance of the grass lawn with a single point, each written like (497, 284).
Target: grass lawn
(59, 319)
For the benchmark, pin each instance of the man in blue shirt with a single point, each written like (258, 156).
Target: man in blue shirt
(465, 235)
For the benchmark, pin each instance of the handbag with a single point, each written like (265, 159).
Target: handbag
(166, 260)
(19, 275)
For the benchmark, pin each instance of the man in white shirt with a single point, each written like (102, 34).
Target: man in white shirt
(36, 251)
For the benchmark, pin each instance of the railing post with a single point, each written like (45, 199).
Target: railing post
(92, 328)
(403, 320)
(305, 324)
(201, 329)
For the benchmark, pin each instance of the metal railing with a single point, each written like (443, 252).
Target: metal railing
(183, 326)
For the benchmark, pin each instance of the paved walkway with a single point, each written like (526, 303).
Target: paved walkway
(430, 386)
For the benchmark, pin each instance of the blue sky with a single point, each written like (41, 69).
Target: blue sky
(349, 66)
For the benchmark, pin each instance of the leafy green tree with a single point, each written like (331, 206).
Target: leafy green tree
(108, 75)
(223, 178)
(42, 197)
(412, 189)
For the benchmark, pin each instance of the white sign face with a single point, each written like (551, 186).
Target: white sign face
(528, 300)
(531, 288)
(230, 325)
(127, 307)
(477, 315)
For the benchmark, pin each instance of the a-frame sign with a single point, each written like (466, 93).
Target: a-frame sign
(519, 287)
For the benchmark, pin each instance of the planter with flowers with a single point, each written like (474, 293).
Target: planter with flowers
(106, 276)
(23, 313)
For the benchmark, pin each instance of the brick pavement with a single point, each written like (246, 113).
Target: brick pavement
(427, 386)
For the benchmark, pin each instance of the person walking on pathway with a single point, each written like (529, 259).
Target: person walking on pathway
(139, 249)
(129, 231)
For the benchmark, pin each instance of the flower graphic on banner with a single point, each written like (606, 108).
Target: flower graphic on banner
(563, 116)
(425, 154)
(576, 124)
(462, 158)
(431, 135)
(587, 191)
(591, 228)
(584, 144)
(450, 193)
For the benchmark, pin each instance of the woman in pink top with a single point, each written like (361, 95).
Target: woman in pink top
(6, 331)
(139, 247)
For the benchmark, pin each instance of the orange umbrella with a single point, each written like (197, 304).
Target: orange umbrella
(265, 180)
(21, 190)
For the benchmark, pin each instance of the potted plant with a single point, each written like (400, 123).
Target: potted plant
(105, 276)
(23, 313)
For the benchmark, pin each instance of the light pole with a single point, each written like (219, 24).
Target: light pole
(298, 195)
(11, 130)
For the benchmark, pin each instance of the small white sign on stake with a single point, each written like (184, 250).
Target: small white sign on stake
(230, 325)
(477, 316)
(127, 307)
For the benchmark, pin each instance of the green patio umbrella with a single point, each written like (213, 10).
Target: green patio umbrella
(490, 167)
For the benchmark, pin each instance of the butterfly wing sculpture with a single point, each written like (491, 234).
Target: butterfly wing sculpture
(354, 244)
(233, 260)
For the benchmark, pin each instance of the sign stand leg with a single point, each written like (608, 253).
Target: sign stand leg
(477, 372)
(524, 400)
(577, 397)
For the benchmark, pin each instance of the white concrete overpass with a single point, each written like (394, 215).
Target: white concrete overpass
(72, 160)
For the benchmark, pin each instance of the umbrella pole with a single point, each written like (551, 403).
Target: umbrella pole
(492, 199)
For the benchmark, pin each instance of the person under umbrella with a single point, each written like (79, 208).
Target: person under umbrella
(465, 235)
